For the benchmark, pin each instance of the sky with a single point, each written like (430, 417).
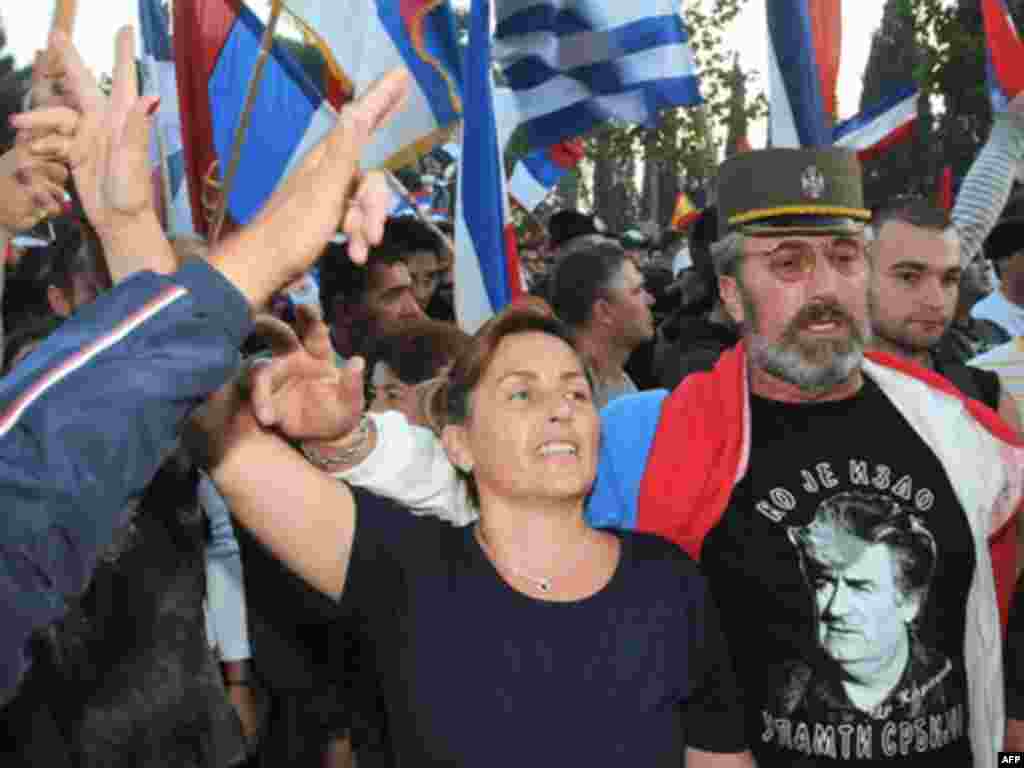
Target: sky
(28, 21)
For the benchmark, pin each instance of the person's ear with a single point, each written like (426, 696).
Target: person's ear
(456, 444)
(58, 302)
(729, 290)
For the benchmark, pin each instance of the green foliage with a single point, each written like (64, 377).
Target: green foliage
(950, 36)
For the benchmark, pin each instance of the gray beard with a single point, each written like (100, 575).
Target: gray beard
(814, 373)
(812, 367)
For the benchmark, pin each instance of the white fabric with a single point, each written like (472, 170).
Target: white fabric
(1007, 360)
(410, 465)
(986, 475)
(882, 126)
(365, 52)
(1001, 311)
(226, 627)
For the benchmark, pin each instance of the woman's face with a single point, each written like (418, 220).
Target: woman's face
(533, 431)
(392, 394)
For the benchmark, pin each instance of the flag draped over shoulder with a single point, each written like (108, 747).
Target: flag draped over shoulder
(537, 173)
(1004, 54)
(366, 39)
(487, 275)
(575, 65)
(159, 74)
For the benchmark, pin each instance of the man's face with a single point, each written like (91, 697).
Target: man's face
(389, 297)
(630, 304)
(862, 613)
(802, 301)
(1012, 273)
(424, 271)
(915, 280)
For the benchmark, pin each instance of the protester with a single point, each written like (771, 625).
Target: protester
(600, 295)
(913, 292)
(968, 336)
(732, 476)
(694, 336)
(78, 271)
(73, 461)
(548, 595)
(421, 250)
(1005, 305)
(401, 360)
(359, 301)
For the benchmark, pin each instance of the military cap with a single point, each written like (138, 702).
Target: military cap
(791, 191)
(1006, 239)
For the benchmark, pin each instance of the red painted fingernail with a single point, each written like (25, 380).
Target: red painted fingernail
(153, 108)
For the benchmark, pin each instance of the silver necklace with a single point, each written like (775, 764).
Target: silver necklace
(541, 583)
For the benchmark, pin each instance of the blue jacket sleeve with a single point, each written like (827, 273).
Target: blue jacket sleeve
(628, 425)
(85, 422)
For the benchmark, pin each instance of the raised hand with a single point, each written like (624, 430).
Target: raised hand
(301, 392)
(104, 140)
(325, 191)
(31, 189)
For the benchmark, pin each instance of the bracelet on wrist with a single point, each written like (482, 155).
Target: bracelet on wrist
(346, 454)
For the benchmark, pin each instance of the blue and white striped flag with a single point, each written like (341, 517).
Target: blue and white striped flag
(161, 81)
(487, 274)
(576, 63)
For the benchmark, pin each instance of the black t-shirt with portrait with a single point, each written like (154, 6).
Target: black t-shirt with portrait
(841, 569)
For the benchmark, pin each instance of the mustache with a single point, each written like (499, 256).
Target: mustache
(821, 312)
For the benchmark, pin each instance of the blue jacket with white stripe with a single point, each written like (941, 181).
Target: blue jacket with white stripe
(85, 422)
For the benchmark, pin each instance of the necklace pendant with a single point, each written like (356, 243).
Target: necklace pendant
(544, 585)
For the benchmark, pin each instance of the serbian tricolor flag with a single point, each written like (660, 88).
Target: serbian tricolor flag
(886, 124)
(804, 43)
(487, 274)
(217, 43)
(537, 174)
(684, 214)
(364, 39)
(1004, 54)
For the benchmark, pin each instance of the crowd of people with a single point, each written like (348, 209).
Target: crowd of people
(744, 495)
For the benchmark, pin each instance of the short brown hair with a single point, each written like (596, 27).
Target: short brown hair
(913, 210)
(471, 367)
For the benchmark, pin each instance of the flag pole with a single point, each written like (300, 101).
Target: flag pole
(243, 124)
(400, 189)
(64, 16)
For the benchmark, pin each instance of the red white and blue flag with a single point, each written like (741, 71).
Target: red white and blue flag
(537, 173)
(160, 80)
(217, 44)
(574, 65)
(804, 43)
(1004, 54)
(884, 125)
(368, 38)
(487, 274)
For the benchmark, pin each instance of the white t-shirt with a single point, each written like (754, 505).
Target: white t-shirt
(1001, 311)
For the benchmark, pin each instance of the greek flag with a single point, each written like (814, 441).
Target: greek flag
(573, 64)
